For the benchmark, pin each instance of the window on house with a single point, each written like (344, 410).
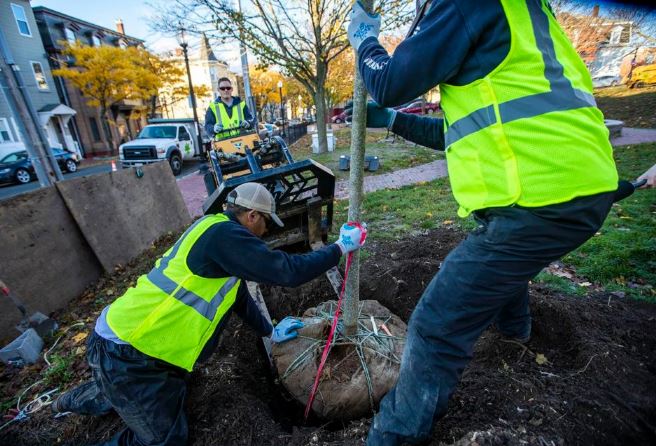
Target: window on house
(122, 43)
(5, 134)
(39, 76)
(96, 40)
(70, 35)
(615, 35)
(21, 20)
(95, 131)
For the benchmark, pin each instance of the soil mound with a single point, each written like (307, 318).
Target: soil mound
(595, 388)
(359, 370)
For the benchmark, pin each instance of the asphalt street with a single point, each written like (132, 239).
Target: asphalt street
(11, 190)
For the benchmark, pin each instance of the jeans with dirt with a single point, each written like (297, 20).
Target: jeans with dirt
(147, 393)
(484, 280)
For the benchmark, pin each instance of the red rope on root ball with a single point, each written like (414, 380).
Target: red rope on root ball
(333, 327)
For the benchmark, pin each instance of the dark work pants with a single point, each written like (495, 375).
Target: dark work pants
(148, 394)
(484, 280)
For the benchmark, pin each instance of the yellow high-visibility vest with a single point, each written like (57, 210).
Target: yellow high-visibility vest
(529, 133)
(171, 313)
(230, 123)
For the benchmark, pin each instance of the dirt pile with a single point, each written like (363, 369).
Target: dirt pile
(593, 383)
(360, 369)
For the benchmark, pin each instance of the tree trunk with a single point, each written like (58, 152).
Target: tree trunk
(320, 103)
(108, 129)
(358, 135)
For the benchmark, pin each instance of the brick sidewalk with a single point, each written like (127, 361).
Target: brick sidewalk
(194, 193)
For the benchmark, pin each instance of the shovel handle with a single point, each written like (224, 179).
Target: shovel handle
(4, 289)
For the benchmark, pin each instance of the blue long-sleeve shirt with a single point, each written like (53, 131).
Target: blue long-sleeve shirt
(210, 120)
(230, 249)
(451, 45)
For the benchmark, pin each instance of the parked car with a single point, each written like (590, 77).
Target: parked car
(339, 119)
(643, 75)
(16, 166)
(416, 108)
(68, 162)
(266, 130)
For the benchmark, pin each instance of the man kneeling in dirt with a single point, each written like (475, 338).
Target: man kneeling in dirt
(146, 342)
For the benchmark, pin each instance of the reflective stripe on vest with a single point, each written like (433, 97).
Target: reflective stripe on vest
(562, 96)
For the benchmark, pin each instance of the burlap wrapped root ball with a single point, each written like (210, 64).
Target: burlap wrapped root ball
(360, 369)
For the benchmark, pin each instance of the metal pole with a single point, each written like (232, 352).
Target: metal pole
(282, 113)
(199, 138)
(36, 144)
(250, 100)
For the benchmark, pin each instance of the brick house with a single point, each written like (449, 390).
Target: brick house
(87, 126)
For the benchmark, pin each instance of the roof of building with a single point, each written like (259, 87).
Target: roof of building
(206, 52)
(83, 22)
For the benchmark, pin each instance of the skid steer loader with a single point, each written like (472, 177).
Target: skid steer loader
(303, 190)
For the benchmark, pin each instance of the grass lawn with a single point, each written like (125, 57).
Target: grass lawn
(633, 106)
(392, 156)
(621, 258)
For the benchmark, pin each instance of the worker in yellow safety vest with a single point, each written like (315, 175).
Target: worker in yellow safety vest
(145, 344)
(227, 114)
(528, 156)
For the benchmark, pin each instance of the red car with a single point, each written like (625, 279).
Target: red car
(416, 108)
(339, 119)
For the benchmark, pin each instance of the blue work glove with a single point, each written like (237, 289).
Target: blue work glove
(351, 237)
(245, 125)
(218, 128)
(377, 116)
(286, 329)
(363, 25)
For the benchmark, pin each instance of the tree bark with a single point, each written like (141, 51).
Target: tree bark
(358, 135)
(320, 103)
(108, 130)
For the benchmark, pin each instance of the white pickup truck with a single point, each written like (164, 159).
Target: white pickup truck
(173, 140)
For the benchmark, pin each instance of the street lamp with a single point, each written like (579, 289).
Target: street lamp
(282, 110)
(182, 40)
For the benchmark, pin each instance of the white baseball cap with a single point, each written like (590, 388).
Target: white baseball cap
(256, 197)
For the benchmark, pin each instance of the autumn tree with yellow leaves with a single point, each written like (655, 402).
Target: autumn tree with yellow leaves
(107, 76)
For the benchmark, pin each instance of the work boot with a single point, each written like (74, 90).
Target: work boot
(522, 339)
(85, 399)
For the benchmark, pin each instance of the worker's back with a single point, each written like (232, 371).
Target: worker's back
(529, 132)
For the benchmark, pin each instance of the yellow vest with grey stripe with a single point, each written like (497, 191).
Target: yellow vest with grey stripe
(221, 117)
(171, 313)
(529, 133)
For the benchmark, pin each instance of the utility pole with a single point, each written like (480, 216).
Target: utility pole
(250, 100)
(35, 141)
(184, 45)
(282, 109)
(358, 135)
